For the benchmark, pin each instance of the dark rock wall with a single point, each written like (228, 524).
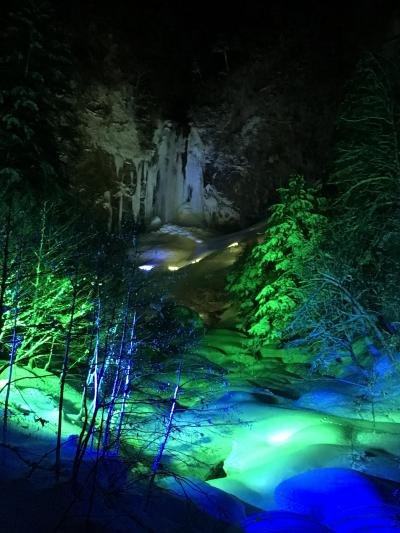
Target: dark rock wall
(260, 85)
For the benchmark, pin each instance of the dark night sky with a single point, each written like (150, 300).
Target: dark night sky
(168, 38)
(173, 24)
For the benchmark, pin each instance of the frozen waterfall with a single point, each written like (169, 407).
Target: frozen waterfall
(168, 183)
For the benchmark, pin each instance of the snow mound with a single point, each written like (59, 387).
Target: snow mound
(214, 502)
(382, 518)
(282, 522)
(322, 493)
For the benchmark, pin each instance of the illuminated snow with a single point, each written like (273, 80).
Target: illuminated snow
(278, 438)
(146, 268)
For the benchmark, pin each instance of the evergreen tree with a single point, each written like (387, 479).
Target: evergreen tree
(366, 171)
(366, 167)
(34, 89)
(268, 285)
(352, 307)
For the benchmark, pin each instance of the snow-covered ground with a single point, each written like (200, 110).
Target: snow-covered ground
(282, 421)
(274, 450)
(301, 467)
(296, 469)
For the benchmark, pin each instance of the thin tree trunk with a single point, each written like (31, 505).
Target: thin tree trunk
(167, 433)
(88, 429)
(117, 384)
(38, 272)
(97, 374)
(4, 271)
(14, 347)
(28, 54)
(63, 377)
(125, 393)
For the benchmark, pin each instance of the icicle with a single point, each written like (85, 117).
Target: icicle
(192, 206)
(136, 196)
(108, 206)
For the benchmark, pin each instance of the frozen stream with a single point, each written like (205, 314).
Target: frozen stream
(174, 247)
(283, 422)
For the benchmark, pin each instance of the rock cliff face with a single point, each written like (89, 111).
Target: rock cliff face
(201, 127)
(218, 170)
(245, 133)
(134, 185)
